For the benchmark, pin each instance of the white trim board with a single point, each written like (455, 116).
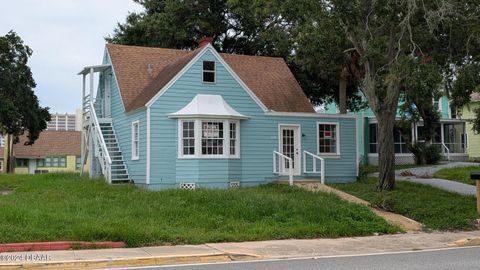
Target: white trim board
(147, 166)
(115, 78)
(318, 115)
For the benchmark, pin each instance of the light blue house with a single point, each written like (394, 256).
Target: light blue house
(450, 134)
(166, 118)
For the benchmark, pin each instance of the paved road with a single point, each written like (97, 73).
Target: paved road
(460, 258)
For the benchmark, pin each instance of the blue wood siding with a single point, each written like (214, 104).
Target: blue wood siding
(258, 137)
(122, 123)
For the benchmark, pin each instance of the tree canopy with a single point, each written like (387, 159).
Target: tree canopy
(19, 107)
(252, 27)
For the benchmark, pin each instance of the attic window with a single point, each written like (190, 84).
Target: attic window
(208, 71)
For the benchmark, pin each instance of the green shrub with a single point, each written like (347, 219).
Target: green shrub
(426, 154)
(363, 171)
(433, 154)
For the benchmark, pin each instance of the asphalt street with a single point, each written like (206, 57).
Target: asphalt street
(448, 259)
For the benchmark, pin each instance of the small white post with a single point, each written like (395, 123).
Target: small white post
(290, 172)
(304, 162)
(274, 163)
(322, 167)
(91, 84)
(83, 93)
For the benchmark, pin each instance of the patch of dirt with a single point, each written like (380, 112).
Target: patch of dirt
(407, 173)
(6, 191)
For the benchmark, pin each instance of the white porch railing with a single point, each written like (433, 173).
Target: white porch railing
(447, 150)
(100, 145)
(314, 165)
(281, 169)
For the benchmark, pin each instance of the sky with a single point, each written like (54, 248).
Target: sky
(65, 35)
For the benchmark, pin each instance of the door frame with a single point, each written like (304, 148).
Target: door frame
(297, 170)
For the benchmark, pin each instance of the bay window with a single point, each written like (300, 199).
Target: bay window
(202, 138)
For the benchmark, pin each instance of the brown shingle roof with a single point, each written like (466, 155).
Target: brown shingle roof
(49, 143)
(269, 78)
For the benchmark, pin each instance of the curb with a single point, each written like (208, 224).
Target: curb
(59, 245)
(134, 262)
(468, 242)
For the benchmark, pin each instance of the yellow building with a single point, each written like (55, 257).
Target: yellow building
(467, 112)
(53, 151)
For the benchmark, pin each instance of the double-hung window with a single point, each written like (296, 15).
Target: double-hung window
(135, 140)
(201, 138)
(188, 138)
(208, 71)
(328, 138)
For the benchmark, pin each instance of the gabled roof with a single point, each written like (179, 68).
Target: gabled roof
(142, 72)
(49, 143)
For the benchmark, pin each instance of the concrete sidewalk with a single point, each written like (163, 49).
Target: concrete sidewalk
(423, 175)
(224, 252)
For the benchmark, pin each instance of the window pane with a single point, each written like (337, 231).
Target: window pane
(209, 65)
(208, 76)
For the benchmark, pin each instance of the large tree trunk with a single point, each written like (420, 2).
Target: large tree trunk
(386, 152)
(8, 165)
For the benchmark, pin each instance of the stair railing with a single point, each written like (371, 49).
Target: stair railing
(314, 165)
(103, 155)
(289, 162)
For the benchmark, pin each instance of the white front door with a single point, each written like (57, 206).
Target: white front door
(290, 146)
(32, 166)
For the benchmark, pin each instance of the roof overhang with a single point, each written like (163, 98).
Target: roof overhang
(208, 106)
(98, 68)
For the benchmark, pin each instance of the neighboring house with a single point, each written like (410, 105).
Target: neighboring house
(450, 135)
(53, 151)
(166, 118)
(1, 158)
(467, 113)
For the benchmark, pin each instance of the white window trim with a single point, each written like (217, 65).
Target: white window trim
(137, 152)
(439, 100)
(214, 71)
(198, 139)
(329, 155)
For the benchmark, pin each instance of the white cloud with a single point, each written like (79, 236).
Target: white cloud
(65, 35)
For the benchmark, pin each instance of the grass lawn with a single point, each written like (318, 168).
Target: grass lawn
(435, 208)
(457, 174)
(68, 207)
